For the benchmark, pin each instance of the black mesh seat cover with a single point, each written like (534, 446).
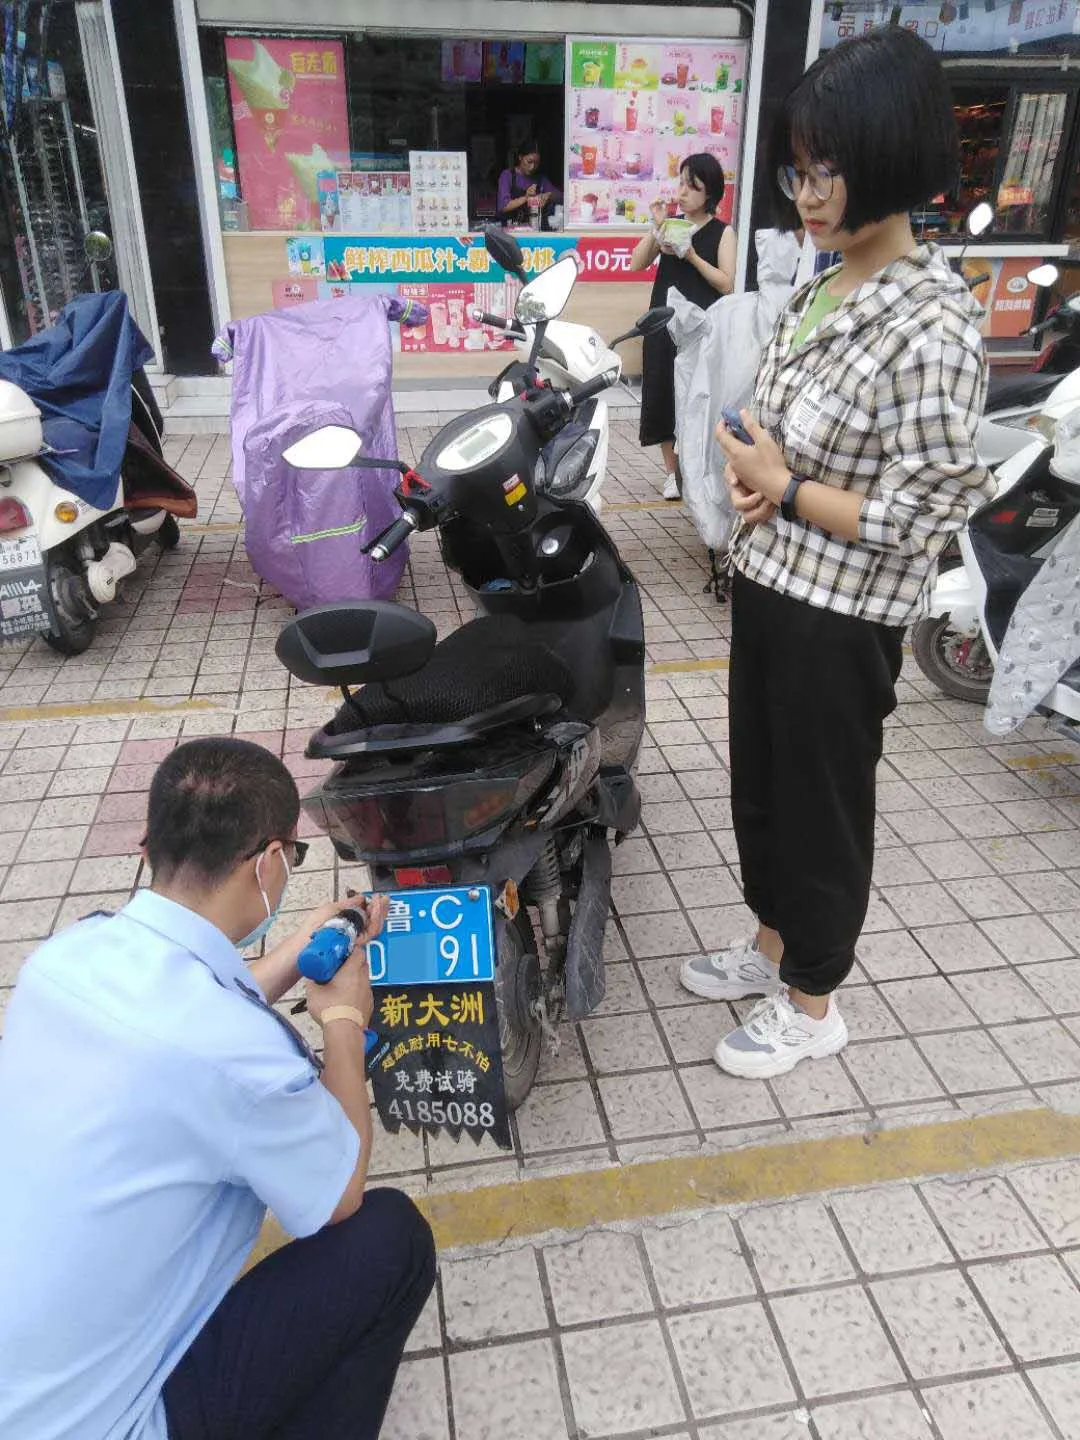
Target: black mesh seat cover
(486, 663)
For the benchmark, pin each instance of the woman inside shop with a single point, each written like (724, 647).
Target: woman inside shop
(862, 465)
(524, 191)
(700, 264)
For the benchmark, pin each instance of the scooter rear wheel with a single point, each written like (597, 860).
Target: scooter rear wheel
(517, 987)
(74, 619)
(957, 664)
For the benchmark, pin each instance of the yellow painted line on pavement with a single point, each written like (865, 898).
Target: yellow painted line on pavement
(1041, 762)
(624, 505)
(104, 709)
(592, 1198)
(662, 1187)
(687, 667)
(215, 527)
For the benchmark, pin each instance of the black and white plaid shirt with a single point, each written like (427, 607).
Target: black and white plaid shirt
(883, 399)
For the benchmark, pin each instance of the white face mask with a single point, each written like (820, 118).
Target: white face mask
(271, 914)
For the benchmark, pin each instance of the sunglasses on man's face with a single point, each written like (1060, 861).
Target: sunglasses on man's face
(299, 849)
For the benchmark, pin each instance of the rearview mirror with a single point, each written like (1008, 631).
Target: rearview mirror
(980, 220)
(654, 320)
(1044, 276)
(333, 447)
(504, 250)
(97, 247)
(545, 297)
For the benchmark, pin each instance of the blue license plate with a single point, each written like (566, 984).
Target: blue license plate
(440, 936)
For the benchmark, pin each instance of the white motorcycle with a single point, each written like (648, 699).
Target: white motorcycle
(62, 558)
(569, 356)
(956, 644)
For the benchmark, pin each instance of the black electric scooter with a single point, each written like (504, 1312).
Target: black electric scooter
(504, 756)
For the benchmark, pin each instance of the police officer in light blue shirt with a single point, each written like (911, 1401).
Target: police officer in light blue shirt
(152, 1107)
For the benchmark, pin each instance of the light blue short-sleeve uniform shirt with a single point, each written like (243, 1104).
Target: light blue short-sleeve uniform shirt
(150, 1113)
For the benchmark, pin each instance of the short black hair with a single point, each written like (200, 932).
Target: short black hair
(709, 174)
(213, 802)
(878, 109)
(529, 146)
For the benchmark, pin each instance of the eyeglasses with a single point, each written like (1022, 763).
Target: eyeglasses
(300, 849)
(791, 180)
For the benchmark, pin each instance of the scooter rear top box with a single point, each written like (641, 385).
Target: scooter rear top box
(20, 424)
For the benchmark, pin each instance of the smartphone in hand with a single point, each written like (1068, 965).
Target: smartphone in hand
(733, 421)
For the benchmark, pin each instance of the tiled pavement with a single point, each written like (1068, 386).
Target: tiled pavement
(964, 1002)
(946, 1310)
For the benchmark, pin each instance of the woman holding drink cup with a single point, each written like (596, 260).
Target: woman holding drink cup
(523, 192)
(699, 261)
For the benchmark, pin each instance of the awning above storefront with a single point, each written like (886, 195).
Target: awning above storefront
(478, 17)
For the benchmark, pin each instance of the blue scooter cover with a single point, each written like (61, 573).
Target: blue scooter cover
(78, 373)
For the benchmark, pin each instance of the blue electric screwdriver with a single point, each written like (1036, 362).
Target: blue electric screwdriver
(331, 945)
(328, 949)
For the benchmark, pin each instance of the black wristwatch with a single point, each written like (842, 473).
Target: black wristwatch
(787, 504)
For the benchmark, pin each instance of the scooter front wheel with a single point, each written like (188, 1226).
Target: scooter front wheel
(518, 988)
(74, 615)
(958, 664)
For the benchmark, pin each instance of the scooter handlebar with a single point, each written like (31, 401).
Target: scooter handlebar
(596, 386)
(394, 535)
(485, 317)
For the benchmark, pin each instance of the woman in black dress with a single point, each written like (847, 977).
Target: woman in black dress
(706, 272)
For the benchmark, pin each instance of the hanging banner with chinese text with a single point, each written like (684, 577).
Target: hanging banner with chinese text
(291, 123)
(958, 29)
(437, 1064)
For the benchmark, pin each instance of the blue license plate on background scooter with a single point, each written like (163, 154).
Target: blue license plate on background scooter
(442, 936)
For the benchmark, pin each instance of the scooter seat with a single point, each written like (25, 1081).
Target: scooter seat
(1014, 392)
(486, 675)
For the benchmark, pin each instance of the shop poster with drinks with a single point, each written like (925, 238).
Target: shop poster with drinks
(449, 274)
(291, 123)
(635, 111)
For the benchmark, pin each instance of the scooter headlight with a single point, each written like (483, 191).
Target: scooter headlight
(570, 476)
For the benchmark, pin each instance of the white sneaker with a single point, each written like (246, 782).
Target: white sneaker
(734, 974)
(671, 487)
(776, 1036)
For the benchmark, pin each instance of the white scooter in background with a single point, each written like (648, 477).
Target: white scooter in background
(62, 558)
(570, 355)
(956, 644)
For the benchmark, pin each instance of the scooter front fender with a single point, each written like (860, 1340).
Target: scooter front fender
(955, 596)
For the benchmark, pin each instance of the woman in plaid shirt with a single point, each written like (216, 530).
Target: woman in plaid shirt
(863, 464)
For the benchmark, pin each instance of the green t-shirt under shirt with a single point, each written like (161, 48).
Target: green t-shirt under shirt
(822, 304)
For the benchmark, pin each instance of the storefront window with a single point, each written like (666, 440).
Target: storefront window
(51, 184)
(288, 110)
(351, 164)
(1072, 216)
(1010, 144)
(1026, 188)
(980, 118)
